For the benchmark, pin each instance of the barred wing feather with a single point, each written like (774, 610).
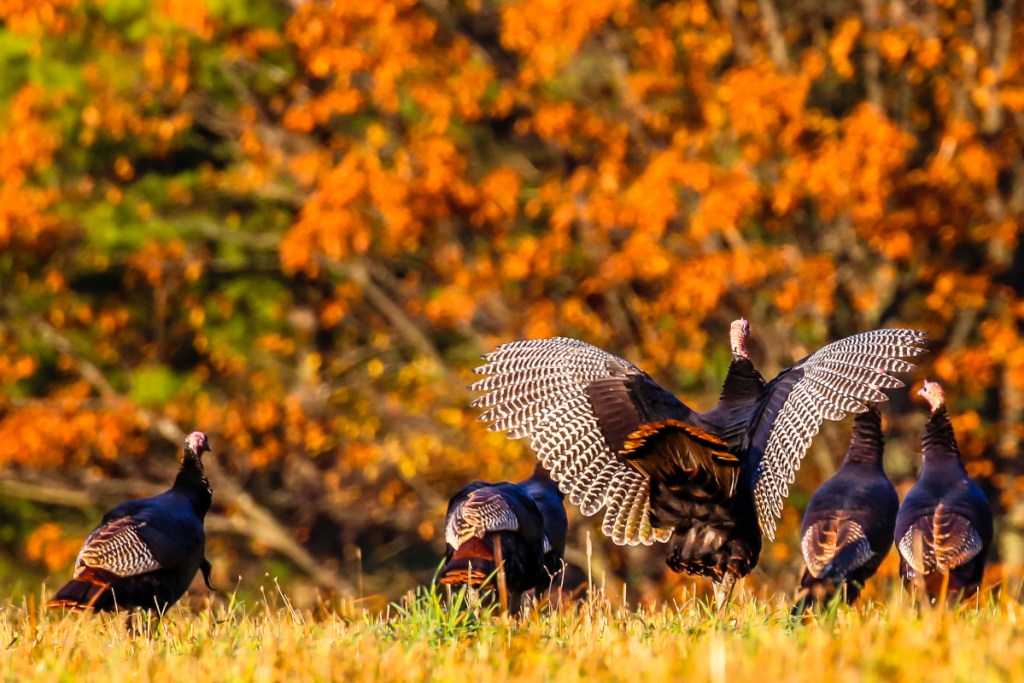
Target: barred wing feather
(835, 380)
(940, 543)
(835, 547)
(483, 511)
(577, 404)
(117, 547)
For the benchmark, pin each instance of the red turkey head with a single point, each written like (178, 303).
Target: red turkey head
(738, 333)
(933, 393)
(197, 444)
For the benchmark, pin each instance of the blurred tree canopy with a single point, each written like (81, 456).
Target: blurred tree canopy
(297, 225)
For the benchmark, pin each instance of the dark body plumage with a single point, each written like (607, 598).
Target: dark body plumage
(527, 518)
(146, 552)
(944, 526)
(711, 482)
(848, 526)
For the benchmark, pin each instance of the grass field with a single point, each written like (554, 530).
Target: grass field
(596, 640)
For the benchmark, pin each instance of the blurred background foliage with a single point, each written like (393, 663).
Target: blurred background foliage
(297, 225)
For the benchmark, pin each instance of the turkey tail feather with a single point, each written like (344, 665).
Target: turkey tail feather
(81, 593)
(470, 564)
(673, 451)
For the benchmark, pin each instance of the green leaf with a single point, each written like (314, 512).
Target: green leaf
(153, 385)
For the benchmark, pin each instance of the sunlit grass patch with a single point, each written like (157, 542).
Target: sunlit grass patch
(426, 638)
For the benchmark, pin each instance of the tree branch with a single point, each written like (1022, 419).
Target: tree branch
(359, 272)
(776, 42)
(729, 10)
(872, 59)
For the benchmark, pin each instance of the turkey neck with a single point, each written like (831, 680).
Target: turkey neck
(192, 481)
(742, 388)
(742, 381)
(939, 442)
(867, 442)
(541, 477)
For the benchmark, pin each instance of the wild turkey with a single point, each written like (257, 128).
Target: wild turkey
(528, 520)
(944, 527)
(146, 552)
(848, 526)
(612, 438)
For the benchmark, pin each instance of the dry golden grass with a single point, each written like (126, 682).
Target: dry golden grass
(754, 641)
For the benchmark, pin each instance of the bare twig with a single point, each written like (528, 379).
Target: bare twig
(1012, 410)
(776, 41)
(872, 59)
(502, 585)
(730, 11)
(359, 272)
(1001, 41)
(89, 372)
